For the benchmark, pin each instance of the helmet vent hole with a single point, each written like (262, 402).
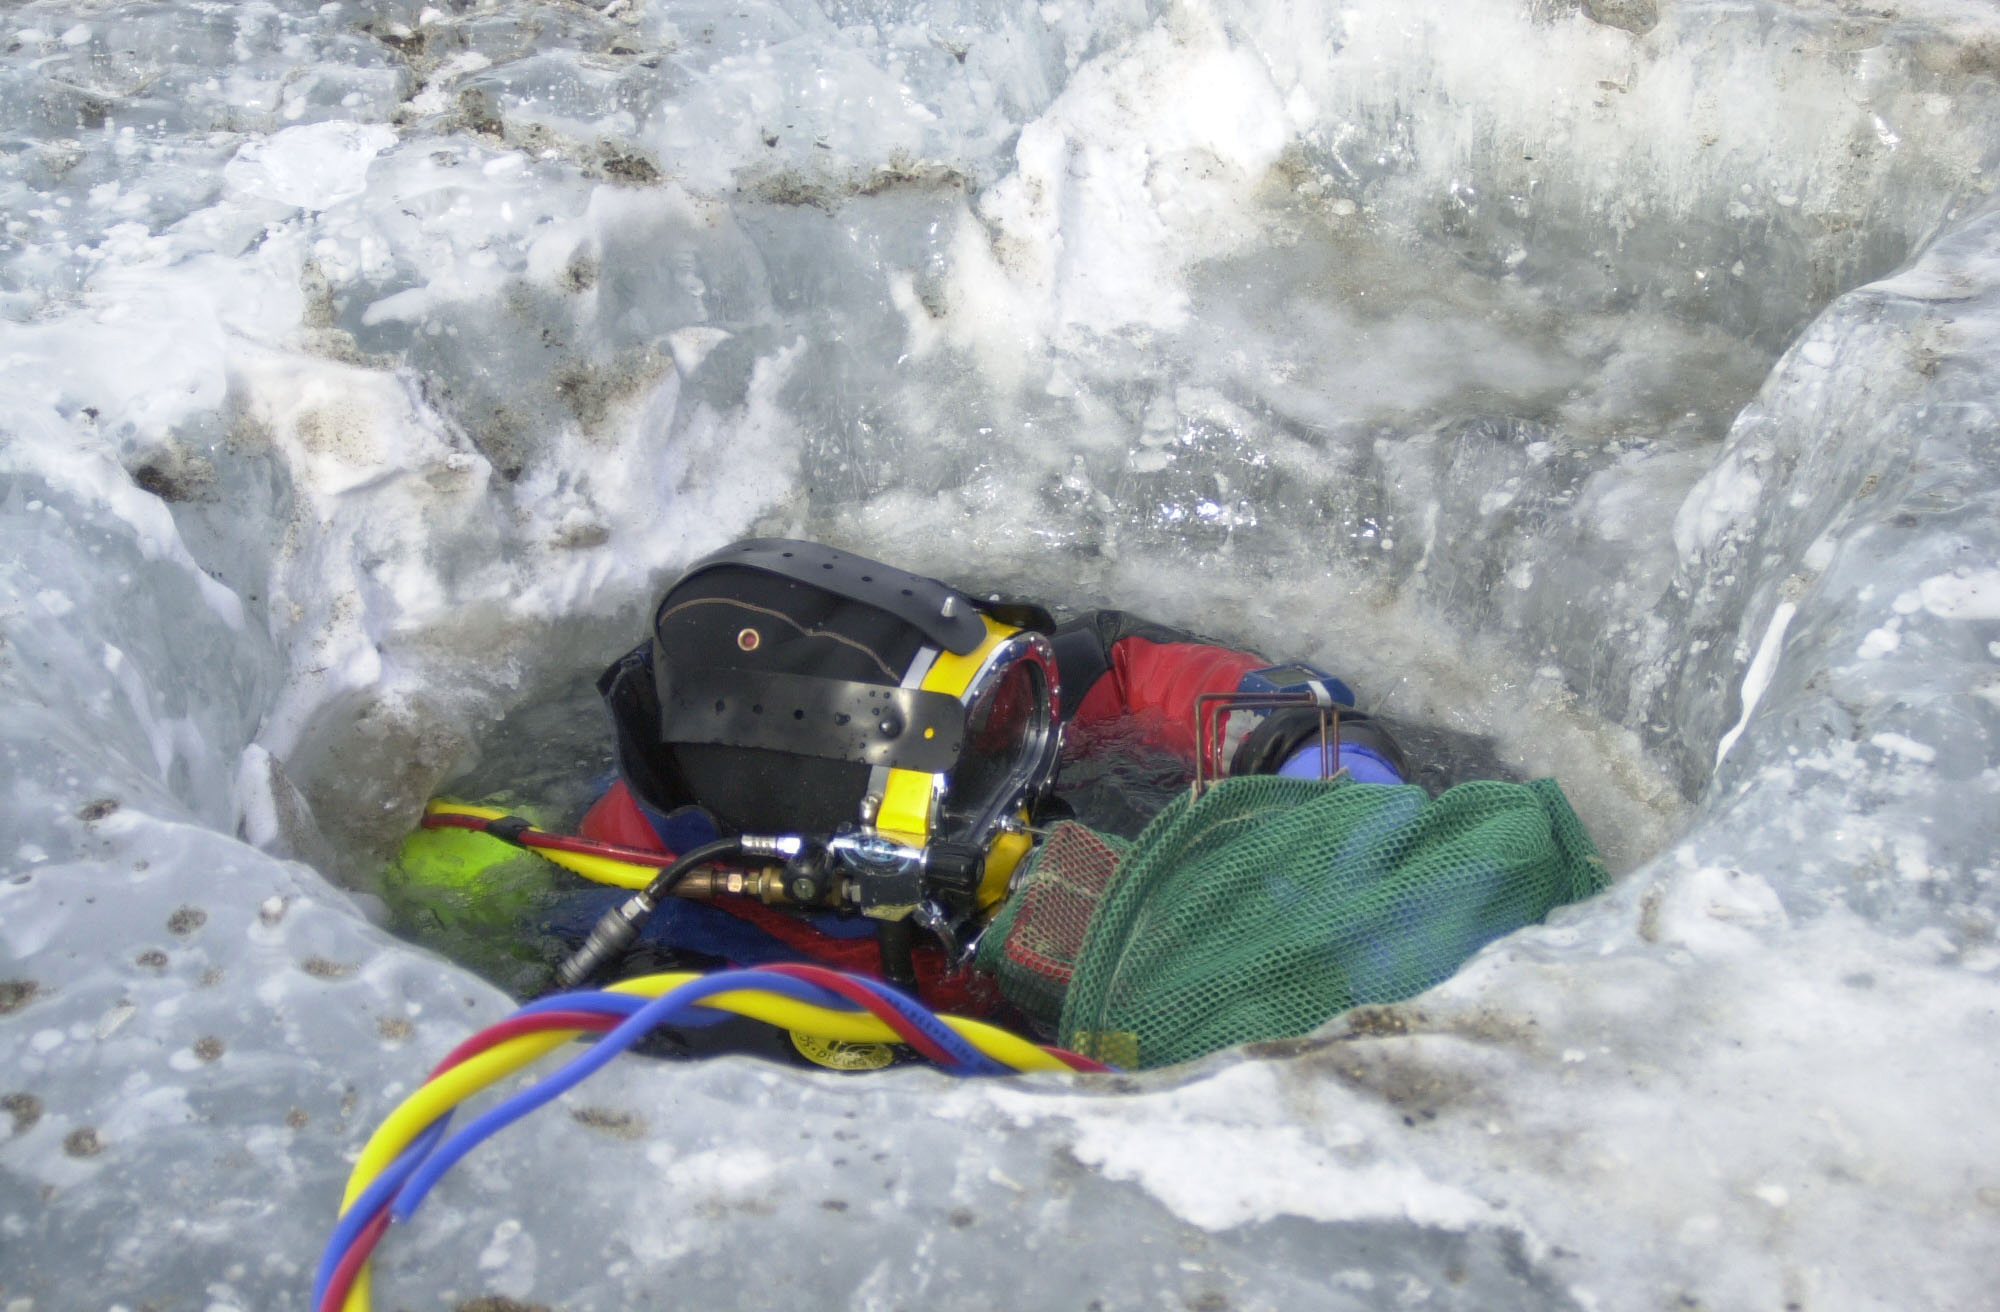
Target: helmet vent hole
(749, 640)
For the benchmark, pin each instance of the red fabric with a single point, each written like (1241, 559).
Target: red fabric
(616, 818)
(1158, 682)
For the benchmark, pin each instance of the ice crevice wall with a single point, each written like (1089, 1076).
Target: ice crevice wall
(1614, 380)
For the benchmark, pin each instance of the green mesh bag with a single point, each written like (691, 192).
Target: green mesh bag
(1033, 943)
(1271, 905)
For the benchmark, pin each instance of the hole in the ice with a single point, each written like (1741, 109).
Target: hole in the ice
(1429, 431)
(552, 758)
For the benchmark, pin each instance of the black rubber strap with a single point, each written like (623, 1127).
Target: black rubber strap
(1081, 660)
(627, 689)
(942, 614)
(838, 719)
(509, 828)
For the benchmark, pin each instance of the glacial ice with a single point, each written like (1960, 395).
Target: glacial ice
(1612, 379)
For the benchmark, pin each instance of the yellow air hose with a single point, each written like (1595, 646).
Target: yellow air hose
(592, 866)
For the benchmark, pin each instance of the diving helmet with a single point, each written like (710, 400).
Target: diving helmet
(791, 688)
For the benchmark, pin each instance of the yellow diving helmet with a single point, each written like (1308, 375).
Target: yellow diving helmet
(904, 727)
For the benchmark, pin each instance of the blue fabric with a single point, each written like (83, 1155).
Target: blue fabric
(1291, 678)
(835, 925)
(1362, 765)
(679, 923)
(680, 829)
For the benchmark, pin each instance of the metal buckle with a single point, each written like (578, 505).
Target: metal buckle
(1213, 709)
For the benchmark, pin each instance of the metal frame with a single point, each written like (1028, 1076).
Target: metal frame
(1208, 728)
(1033, 769)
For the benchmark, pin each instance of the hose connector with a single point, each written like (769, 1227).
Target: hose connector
(619, 929)
(783, 847)
(609, 940)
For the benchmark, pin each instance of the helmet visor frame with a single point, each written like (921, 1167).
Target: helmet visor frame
(1013, 741)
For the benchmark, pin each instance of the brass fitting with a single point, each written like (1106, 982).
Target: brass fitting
(767, 885)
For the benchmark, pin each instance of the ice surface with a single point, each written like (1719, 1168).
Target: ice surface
(1610, 380)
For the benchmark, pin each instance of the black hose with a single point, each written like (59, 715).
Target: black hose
(664, 883)
(612, 937)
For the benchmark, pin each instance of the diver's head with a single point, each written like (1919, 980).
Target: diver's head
(792, 688)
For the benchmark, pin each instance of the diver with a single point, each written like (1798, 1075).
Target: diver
(914, 735)
(823, 759)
